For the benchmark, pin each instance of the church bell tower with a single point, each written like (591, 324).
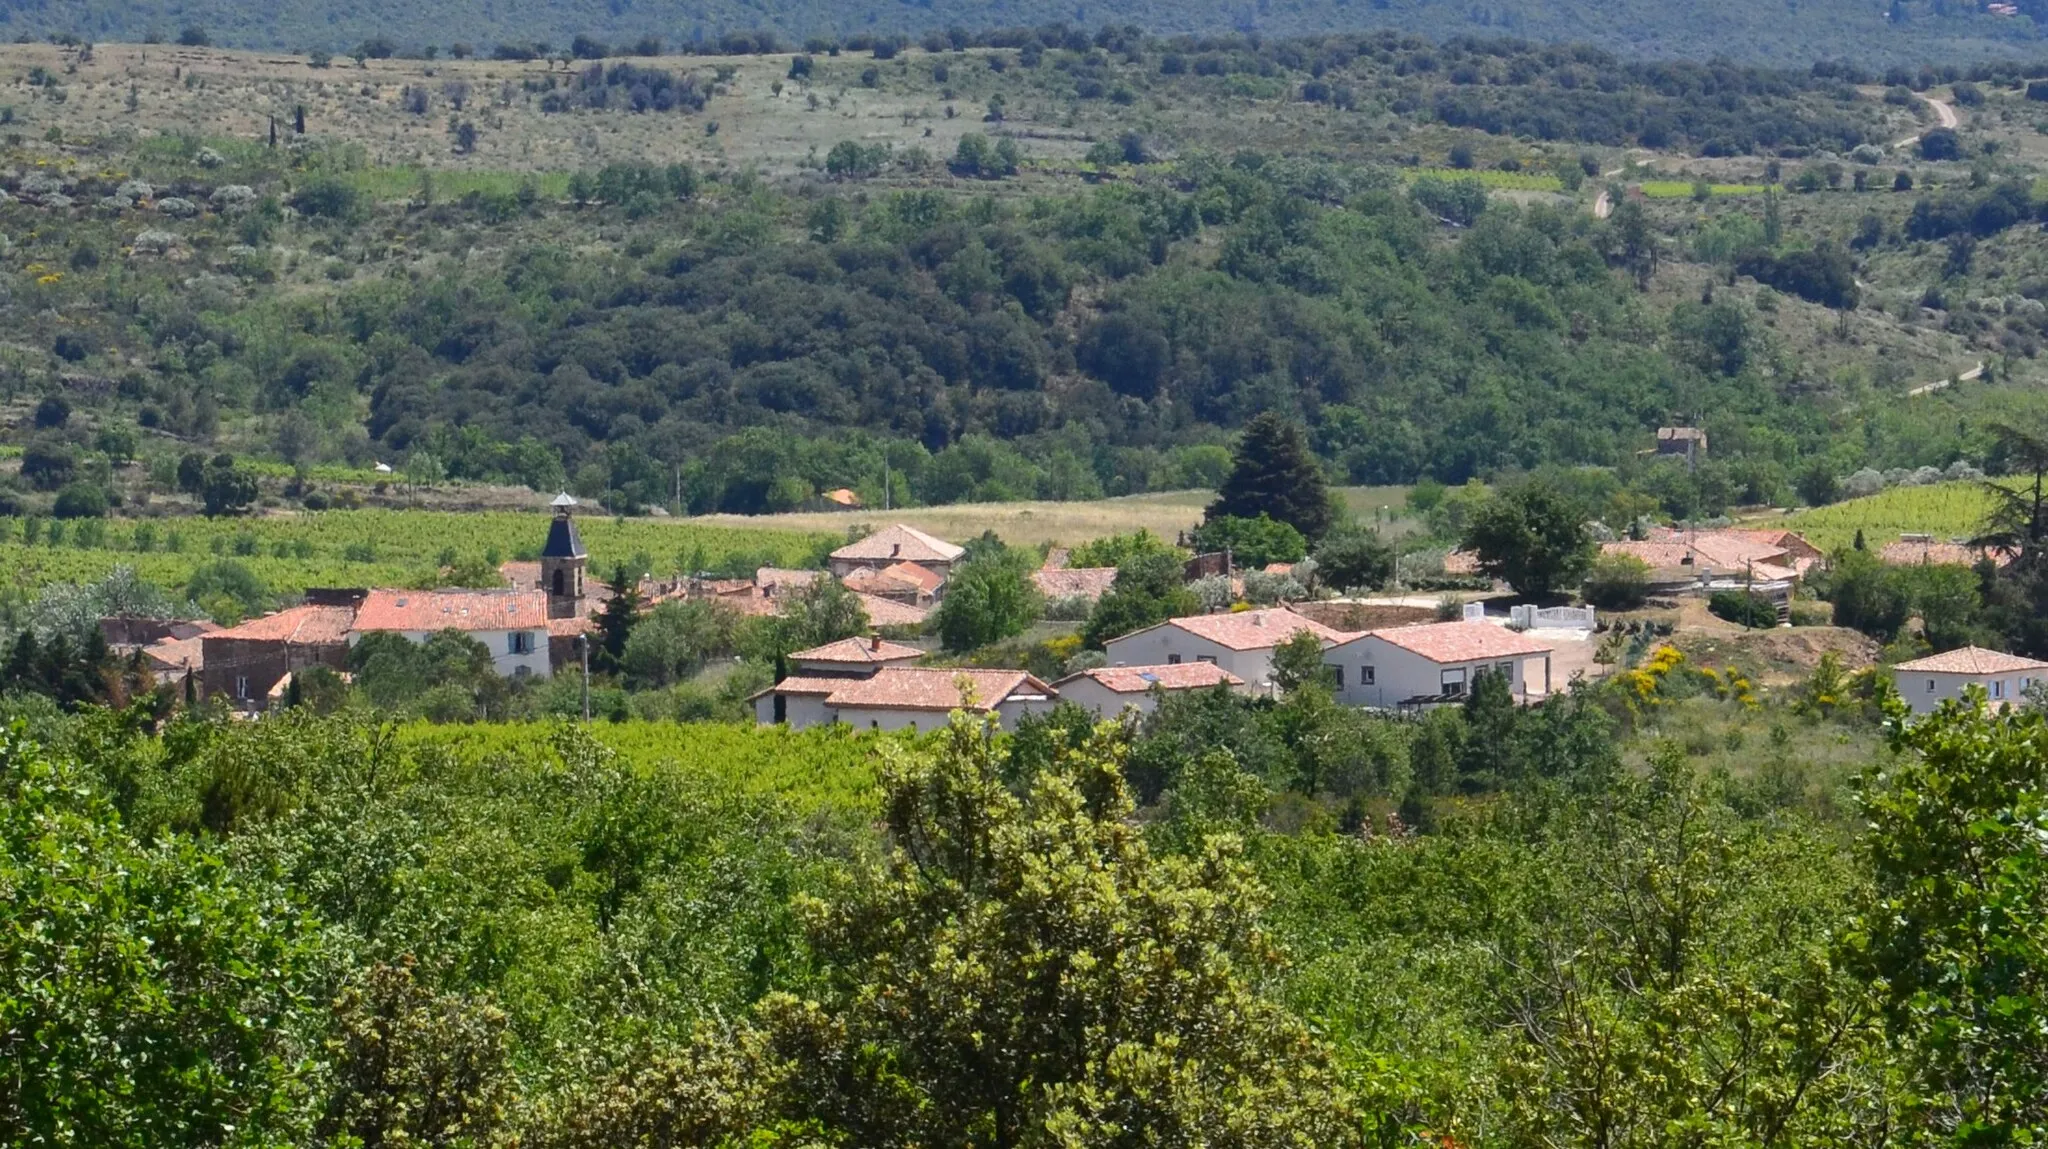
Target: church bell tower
(562, 561)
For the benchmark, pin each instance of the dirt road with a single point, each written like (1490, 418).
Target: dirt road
(1976, 372)
(1943, 112)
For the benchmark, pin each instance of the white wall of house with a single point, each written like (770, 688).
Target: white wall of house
(1170, 645)
(1103, 702)
(888, 719)
(800, 711)
(506, 657)
(1924, 690)
(1375, 672)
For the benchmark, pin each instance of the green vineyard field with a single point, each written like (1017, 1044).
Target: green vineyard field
(1944, 510)
(375, 547)
(826, 768)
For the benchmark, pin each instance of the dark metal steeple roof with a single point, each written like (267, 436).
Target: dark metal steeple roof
(563, 541)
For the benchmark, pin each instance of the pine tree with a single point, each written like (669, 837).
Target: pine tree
(1276, 474)
(615, 621)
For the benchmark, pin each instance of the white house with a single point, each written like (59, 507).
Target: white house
(1241, 643)
(1414, 664)
(903, 698)
(511, 624)
(1926, 683)
(1111, 690)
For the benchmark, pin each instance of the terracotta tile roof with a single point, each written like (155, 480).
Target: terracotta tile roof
(925, 579)
(858, 652)
(918, 688)
(1716, 552)
(571, 627)
(1074, 582)
(1454, 642)
(842, 497)
(173, 654)
(1139, 679)
(1929, 553)
(801, 684)
(1279, 568)
(1056, 559)
(772, 580)
(301, 625)
(1971, 660)
(1658, 555)
(882, 612)
(900, 542)
(870, 580)
(435, 610)
(1256, 629)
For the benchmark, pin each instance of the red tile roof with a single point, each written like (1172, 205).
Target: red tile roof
(436, 610)
(174, 654)
(801, 684)
(571, 627)
(858, 652)
(923, 578)
(882, 612)
(900, 542)
(775, 579)
(1074, 582)
(1256, 629)
(1453, 642)
(888, 581)
(1971, 660)
(301, 625)
(917, 688)
(1139, 679)
(1928, 553)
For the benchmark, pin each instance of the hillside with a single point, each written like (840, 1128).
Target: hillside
(1750, 30)
(728, 284)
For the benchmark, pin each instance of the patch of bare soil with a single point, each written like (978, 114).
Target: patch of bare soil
(1782, 656)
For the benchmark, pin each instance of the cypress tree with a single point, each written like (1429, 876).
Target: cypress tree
(1276, 474)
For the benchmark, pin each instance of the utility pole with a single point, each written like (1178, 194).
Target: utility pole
(885, 478)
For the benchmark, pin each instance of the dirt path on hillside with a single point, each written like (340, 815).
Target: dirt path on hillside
(1976, 372)
(1944, 112)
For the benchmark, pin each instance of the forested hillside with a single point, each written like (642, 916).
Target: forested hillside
(1911, 31)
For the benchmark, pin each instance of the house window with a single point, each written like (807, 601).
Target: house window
(1173, 660)
(1998, 688)
(1930, 686)
(521, 642)
(1337, 673)
(1507, 671)
(241, 686)
(1453, 682)
(1208, 658)
(1365, 676)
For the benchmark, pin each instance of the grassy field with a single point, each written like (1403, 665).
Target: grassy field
(1029, 524)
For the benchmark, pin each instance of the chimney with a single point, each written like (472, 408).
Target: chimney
(895, 550)
(1259, 618)
(875, 642)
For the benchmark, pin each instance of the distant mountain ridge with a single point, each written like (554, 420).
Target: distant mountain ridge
(1786, 32)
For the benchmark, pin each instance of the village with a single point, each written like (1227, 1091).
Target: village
(1401, 653)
